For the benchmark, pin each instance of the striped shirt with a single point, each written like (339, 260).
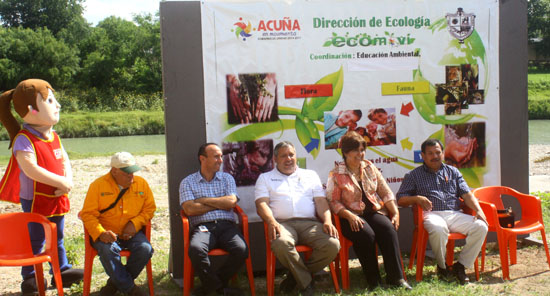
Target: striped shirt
(195, 186)
(443, 188)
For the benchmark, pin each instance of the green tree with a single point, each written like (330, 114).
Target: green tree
(147, 67)
(52, 14)
(538, 24)
(25, 53)
(123, 55)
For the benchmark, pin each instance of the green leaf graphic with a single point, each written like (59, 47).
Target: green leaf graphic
(471, 177)
(425, 104)
(255, 131)
(307, 132)
(314, 108)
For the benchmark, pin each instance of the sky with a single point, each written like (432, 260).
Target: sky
(97, 10)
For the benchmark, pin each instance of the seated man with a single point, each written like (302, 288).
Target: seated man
(116, 207)
(437, 187)
(288, 199)
(208, 198)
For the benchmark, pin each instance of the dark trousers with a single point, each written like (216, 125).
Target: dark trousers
(224, 235)
(36, 232)
(377, 230)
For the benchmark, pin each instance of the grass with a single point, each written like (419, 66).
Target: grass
(107, 124)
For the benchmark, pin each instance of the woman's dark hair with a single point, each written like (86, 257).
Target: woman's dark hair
(351, 141)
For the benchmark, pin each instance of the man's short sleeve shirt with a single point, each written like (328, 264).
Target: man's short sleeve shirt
(443, 188)
(195, 186)
(290, 196)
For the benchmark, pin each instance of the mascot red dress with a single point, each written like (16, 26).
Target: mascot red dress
(39, 173)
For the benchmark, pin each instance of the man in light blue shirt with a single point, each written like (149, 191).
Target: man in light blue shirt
(208, 198)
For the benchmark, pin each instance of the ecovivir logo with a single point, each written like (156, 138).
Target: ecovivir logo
(275, 29)
(242, 30)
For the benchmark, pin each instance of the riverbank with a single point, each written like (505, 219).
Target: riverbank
(539, 168)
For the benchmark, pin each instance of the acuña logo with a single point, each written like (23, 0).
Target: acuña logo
(269, 28)
(242, 30)
(286, 24)
(365, 39)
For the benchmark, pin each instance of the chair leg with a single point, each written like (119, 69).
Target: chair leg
(402, 266)
(476, 268)
(149, 268)
(483, 249)
(39, 277)
(270, 270)
(503, 251)
(420, 254)
(543, 234)
(187, 275)
(57, 276)
(249, 272)
(344, 259)
(334, 278)
(413, 249)
(450, 253)
(512, 244)
(88, 266)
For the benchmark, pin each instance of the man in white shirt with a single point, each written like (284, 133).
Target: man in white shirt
(289, 200)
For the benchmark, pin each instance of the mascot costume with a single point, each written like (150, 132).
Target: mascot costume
(39, 173)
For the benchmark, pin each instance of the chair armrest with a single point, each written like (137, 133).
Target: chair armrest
(148, 231)
(490, 211)
(531, 207)
(418, 216)
(243, 220)
(185, 228)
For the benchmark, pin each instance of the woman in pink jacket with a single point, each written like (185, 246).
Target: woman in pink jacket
(367, 210)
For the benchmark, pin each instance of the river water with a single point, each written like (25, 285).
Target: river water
(539, 133)
(106, 145)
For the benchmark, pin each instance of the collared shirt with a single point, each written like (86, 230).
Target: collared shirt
(290, 196)
(136, 205)
(195, 186)
(443, 188)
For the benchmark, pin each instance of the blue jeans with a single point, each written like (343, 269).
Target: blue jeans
(36, 232)
(109, 255)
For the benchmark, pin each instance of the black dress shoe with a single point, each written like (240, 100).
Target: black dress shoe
(402, 284)
(444, 273)
(109, 289)
(228, 291)
(458, 270)
(288, 284)
(29, 286)
(70, 276)
(309, 290)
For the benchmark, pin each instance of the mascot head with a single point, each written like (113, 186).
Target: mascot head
(34, 101)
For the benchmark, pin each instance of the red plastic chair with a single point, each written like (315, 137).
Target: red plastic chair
(420, 240)
(490, 198)
(188, 271)
(343, 255)
(16, 250)
(90, 253)
(270, 264)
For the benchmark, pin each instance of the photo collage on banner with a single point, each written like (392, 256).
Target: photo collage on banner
(397, 72)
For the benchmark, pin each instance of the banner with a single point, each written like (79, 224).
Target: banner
(396, 71)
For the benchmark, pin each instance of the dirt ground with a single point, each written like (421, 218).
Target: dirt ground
(531, 276)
